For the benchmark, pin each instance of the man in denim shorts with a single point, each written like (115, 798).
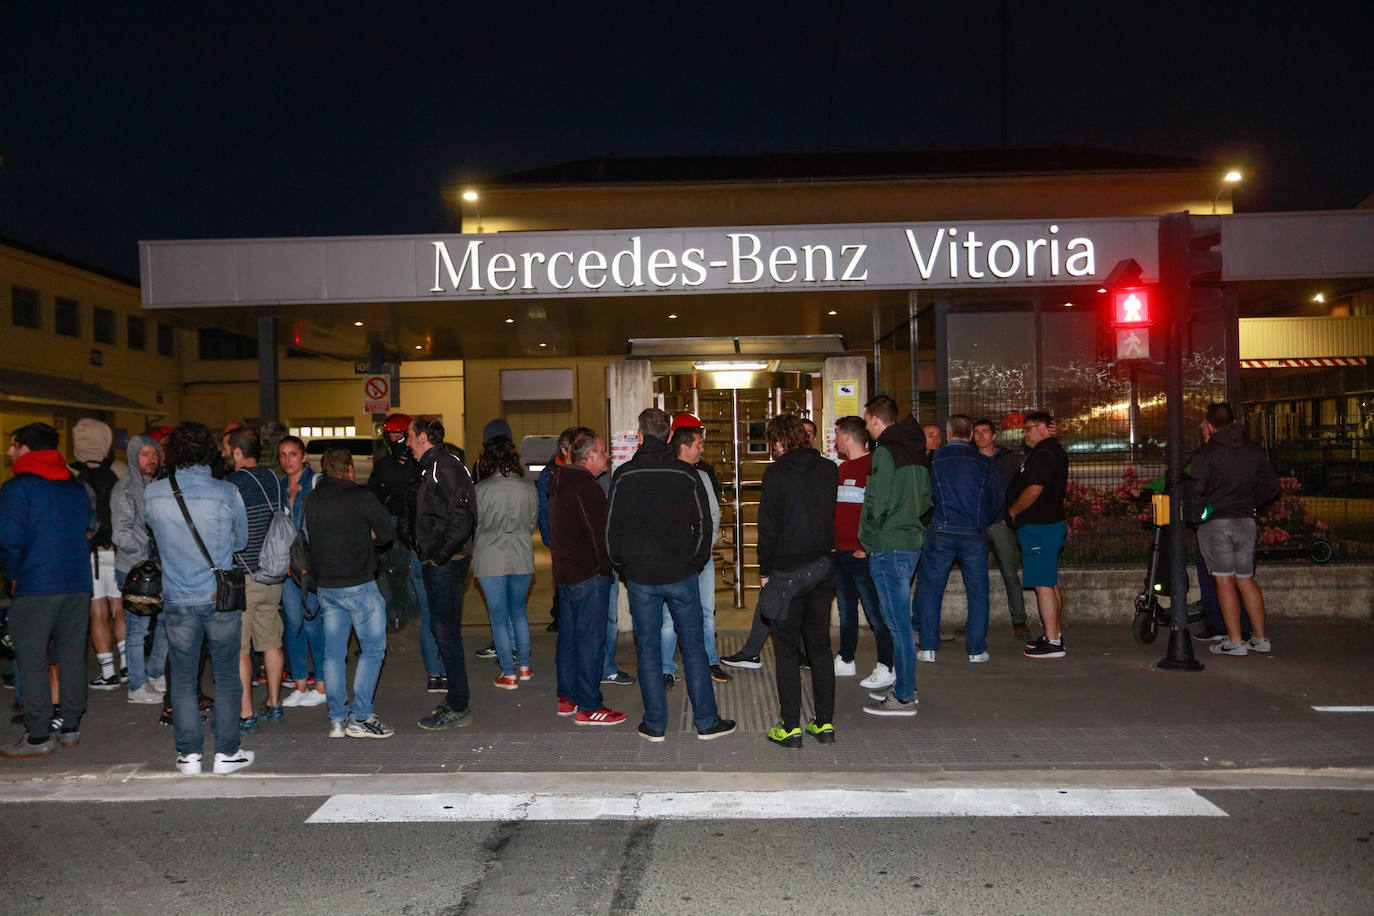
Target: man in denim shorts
(1035, 509)
(1235, 478)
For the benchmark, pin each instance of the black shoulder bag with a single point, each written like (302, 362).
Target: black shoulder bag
(229, 583)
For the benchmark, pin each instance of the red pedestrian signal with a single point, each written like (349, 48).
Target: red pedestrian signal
(1131, 308)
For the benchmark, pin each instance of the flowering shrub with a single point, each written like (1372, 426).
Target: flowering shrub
(1284, 522)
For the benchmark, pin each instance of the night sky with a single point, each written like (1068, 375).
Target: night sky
(126, 121)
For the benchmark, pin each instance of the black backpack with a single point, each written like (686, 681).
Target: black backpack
(101, 479)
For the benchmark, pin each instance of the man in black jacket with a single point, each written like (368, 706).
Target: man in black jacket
(445, 519)
(658, 531)
(344, 521)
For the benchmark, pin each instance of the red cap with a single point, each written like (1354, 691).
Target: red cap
(687, 420)
(396, 423)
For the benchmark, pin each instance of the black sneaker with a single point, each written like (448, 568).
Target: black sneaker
(443, 717)
(649, 734)
(740, 660)
(668, 681)
(437, 683)
(620, 678)
(488, 652)
(1043, 648)
(106, 683)
(720, 729)
(719, 675)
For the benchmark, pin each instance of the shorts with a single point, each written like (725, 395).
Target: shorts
(103, 583)
(1228, 546)
(262, 625)
(1040, 546)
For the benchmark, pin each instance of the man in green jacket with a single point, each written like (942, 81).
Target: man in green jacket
(896, 495)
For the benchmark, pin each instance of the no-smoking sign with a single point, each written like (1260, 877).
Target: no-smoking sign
(376, 394)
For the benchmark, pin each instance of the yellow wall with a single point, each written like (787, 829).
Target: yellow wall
(484, 392)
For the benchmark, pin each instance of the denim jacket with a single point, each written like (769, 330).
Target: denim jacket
(217, 509)
(966, 489)
(298, 507)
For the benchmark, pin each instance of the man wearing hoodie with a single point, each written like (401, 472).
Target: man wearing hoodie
(658, 534)
(896, 495)
(1235, 478)
(132, 546)
(96, 468)
(45, 519)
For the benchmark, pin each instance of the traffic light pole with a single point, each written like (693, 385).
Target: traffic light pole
(1173, 275)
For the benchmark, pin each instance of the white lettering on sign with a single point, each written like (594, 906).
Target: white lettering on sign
(747, 260)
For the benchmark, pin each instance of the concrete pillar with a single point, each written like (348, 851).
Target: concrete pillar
(629, 389)
(846, 389)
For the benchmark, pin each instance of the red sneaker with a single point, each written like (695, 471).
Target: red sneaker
(526, 672)
(602, 716)
(566, 707)
(506, 682)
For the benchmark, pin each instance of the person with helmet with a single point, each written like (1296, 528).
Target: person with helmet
(394, 479)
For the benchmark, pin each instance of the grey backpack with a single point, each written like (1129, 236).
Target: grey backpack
(274, 560)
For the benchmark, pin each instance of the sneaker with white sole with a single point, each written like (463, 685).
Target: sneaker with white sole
(925, 655)
(882, 678)
(105, 683)
(602, 716)
(311, 698)
(371, 727)
(158, 683)
(880, 694)
(740, 660)
(145, 694)
(1226, 647)
(889, 705)
(979, 658)
(844, 668)
(229, 763)
(336, 730)
(189, 764)
(1258, 644)
(293, 699)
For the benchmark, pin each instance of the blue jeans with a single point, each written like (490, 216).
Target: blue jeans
(854, 585)
(304, 638)
(684, 604)
(361, 608)
(187, 627)
(612, 625)
(892, 571)
(937, 558)
(706, 585)
(135, 637)
(510, 624)
(429, 650)
(445, 587)
(581, 629)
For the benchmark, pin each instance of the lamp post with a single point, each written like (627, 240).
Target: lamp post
(1232, 177)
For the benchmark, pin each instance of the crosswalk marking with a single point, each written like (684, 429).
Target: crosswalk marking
(764, 805)
(1344, 708)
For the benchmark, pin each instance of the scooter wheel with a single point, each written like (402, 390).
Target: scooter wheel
(1320, 551)
(1144, 627)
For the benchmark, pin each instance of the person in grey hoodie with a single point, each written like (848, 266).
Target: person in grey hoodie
(132, 544)
(503, 554)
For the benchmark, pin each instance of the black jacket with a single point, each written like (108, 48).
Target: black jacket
(341, 519)
(393, 481)
(1234, 474)
(658, 524)
(577, 520)
(445, 508)
(797, 510)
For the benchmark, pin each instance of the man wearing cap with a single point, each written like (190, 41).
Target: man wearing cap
(688, 441)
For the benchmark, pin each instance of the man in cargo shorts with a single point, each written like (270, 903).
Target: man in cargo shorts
(1035, 509)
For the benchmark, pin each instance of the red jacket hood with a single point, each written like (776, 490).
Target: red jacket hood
(46, 463)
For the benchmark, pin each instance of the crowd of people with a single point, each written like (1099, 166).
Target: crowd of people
(903, 504)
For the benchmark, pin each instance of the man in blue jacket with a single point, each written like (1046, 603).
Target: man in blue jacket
(968, 497)
(46, 516)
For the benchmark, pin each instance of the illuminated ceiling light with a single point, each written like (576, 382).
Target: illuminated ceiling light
(832, 313)
(728, 366)
(1102, 289)
(734, 379)
(672, 315)
(357, 324)
(543, 345)
(470, 196)
(419, 347)
(510, 321)
(1320, 297)
(1068, 305)
(1232, 176)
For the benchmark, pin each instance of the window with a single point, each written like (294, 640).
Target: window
(24, 307)
(166, 340)
(217, 344)
(103, 325)
(136, 333)
(68, 317)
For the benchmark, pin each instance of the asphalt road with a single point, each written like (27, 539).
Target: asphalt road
(1275, 851)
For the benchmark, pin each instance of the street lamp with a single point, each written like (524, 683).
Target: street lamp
(471, 197)
(1231, 177)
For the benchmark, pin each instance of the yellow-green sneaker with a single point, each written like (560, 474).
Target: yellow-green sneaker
(823, 732)
(787, 737)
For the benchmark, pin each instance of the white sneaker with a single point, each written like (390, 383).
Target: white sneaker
(1258, 644)
(158, 683)
(145, 694)
(336, 729)
(980, 657)
(844, 668)
(189, 764)
(311, 698)
(881, 678)
(228, 763)
(293, 698)
(925, 655)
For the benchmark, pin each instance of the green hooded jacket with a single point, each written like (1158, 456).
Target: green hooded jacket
(897, 493)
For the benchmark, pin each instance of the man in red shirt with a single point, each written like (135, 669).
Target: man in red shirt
(853, 583)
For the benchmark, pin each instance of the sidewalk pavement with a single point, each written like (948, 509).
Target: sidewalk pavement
(1106, 706)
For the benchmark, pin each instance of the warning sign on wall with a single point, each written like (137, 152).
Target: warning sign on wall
(376, 394)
